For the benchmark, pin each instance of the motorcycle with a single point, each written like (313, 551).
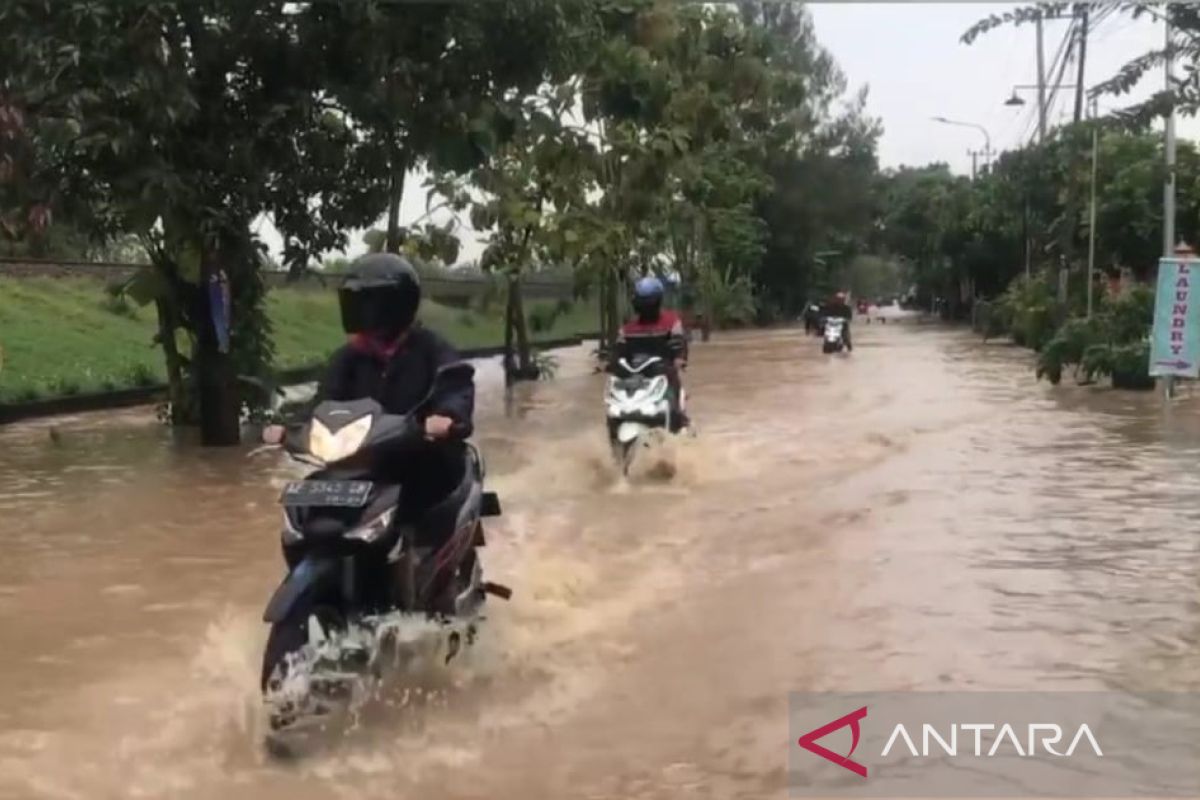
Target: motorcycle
(833, 336)
(638, 401)
(352, 565)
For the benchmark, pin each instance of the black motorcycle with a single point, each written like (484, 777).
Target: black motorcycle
(349, 558)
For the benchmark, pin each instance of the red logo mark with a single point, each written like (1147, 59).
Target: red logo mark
(809, 741)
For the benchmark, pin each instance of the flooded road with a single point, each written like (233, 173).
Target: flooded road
(919, 515)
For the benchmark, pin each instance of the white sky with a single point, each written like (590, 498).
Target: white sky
(910, 57)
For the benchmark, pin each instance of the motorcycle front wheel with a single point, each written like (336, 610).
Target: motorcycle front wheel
(290, 635)
(623, 454)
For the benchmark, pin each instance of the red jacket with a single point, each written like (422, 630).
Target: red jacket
(664, 337)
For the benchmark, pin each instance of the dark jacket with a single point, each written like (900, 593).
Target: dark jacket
(400, 382)
(842, 310)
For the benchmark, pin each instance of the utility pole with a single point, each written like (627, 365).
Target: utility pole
(1083, 37)
(986, 152)
(1169, 181)
(1067, 240)
(1041, 82)
(987, 158)
(1028, 239)
(1091, 272)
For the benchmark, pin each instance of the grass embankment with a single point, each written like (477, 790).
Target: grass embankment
(61, 337)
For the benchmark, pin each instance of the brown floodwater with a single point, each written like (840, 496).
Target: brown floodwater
(919, 515)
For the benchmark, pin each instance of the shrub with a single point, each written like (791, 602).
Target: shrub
(1113, 343)
(119, 305)
(545, 364)
(1067, 347)
(67, 387)
(1029, 311)
(1127, 364)
(543, 317)
(141, 375)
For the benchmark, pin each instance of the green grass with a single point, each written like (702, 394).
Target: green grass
(62, 337)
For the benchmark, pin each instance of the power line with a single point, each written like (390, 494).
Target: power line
(1067, 48)
(1032, 113)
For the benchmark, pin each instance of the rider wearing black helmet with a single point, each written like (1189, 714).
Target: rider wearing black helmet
(391, 358)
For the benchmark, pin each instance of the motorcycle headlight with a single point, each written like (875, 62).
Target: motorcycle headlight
(658, 386)
(290, 534)
(374, 529)
(331, 447)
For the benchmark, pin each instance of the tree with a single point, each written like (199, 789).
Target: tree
(434, 84)
(523, 198)
(182, 122)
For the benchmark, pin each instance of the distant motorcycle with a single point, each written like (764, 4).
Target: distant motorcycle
(833, 339)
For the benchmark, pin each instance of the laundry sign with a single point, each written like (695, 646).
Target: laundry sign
(1175, 338)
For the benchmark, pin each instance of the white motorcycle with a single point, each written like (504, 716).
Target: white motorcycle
(638, 401)
(834, 335)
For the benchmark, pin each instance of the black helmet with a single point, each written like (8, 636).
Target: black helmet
(379, 295)
(648, 298)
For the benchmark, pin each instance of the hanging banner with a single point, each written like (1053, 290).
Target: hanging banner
(218, 301)
(1175, 338)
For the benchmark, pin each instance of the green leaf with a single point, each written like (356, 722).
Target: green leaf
(146, 286)
(189, 265)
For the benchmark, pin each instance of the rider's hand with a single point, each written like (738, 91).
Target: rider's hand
(437, 427)
(681, 363)
(274, 434)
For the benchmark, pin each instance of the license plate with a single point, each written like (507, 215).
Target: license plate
(348, 494)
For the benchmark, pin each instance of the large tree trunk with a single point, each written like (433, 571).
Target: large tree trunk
(395, 198)
(519, 364)
(176, 388)
(524, 351)
(611, 310)
(216, 380)
(509, 325)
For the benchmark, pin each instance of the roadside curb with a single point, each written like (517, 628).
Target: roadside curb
(145, 395)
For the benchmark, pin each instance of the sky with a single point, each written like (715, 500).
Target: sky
(910, 57)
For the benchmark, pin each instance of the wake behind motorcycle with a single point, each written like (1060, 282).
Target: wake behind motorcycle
(638, 401)
(356, 556)
(833, 337)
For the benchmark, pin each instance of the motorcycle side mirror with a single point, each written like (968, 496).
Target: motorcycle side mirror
(449, 375)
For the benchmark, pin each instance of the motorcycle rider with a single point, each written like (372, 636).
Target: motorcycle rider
(655, 331)
(838, 307)
(391, 358)
(812, 318)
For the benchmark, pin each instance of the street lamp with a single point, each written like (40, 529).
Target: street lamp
(987, 140)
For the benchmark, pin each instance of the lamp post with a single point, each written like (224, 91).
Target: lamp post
(987, 141)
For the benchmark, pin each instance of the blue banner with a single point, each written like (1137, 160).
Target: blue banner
(218, 301)
(1175, 338)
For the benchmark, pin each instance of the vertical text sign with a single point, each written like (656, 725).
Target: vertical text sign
(1175, 340)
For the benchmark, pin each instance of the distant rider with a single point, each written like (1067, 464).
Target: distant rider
(812, 318)
(391, 358)
(655, 331)
(838, 307)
